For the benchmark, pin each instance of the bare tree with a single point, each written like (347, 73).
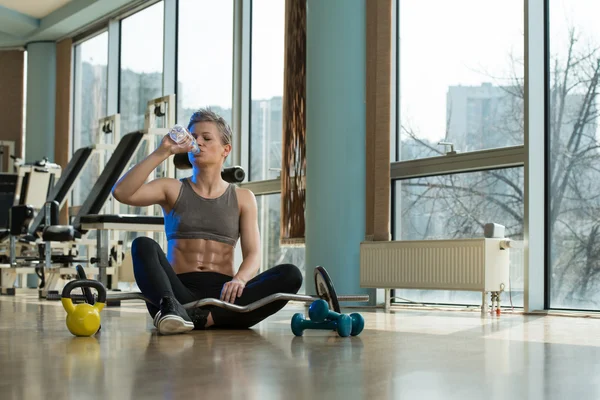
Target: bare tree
(573, 174)
(458, 205)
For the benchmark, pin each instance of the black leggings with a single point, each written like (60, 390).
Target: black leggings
(156, 278)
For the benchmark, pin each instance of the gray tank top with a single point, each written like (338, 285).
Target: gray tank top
(196, 217)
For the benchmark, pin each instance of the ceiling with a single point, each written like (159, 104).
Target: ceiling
(34, 8)
(26, 21)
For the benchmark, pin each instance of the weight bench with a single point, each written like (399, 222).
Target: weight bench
(104, 223)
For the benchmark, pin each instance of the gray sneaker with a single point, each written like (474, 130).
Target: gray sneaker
(197, 315)
(172, 318)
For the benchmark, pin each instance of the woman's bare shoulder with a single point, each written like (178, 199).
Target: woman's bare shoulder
(170, 183)
(245, 197)
(171, 187)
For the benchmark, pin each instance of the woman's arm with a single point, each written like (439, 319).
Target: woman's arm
(250, 237)
(250, 241)
(131, 189)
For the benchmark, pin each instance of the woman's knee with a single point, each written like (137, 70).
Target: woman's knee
(143, 255)
(142, 246)
(293, 276)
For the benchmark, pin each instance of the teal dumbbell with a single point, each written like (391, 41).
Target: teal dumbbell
(319, 312)
(343, 326)
(358, 324)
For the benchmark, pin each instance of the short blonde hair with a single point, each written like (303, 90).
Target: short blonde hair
(207, 115)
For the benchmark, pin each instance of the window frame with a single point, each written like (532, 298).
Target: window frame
(536, 80)
(75, 76)
(243, 73)
(168, 46)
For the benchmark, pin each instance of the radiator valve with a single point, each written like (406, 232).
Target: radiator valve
(511, 244)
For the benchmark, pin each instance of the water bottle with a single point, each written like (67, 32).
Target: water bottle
(178, 133)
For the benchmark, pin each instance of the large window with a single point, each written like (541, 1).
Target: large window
(272, 253)
(89, 104)
(266, 99)
(204, 69)
(459, 91)
(573, 174)
(456, 207)
(460, 80)
(141, 74)
(267, 56)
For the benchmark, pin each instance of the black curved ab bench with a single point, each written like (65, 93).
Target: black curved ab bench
(121, 219)
(119, 160)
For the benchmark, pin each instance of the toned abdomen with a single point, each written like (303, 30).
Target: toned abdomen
(193, 255)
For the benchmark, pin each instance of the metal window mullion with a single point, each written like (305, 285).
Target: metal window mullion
(459, 163)
(169, 47)
(395, 197)
(241, 83)
(534, 174)
(86, 36)
(75, 109)
(77, 99)
(395, 84)
(270, 186)
(112, 95)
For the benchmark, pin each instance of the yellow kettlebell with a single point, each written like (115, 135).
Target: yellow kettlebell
(83, 319)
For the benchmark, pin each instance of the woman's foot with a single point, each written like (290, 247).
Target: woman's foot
(172, 318)
(201, 319)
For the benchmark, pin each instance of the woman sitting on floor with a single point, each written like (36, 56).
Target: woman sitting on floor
(204, 217)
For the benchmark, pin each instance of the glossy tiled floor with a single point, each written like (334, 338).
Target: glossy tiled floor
(406, 354)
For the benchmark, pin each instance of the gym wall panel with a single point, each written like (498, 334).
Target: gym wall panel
(335, 141)
(11, 97)
(41, 101)
(377, 147)
(62, 122)
(371, 55)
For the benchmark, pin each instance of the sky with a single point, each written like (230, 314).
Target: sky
(469, 42)
(442, 43)
(448, 43)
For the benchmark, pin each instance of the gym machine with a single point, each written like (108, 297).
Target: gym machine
(22, 195)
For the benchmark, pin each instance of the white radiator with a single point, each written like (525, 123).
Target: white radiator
(468, 264)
